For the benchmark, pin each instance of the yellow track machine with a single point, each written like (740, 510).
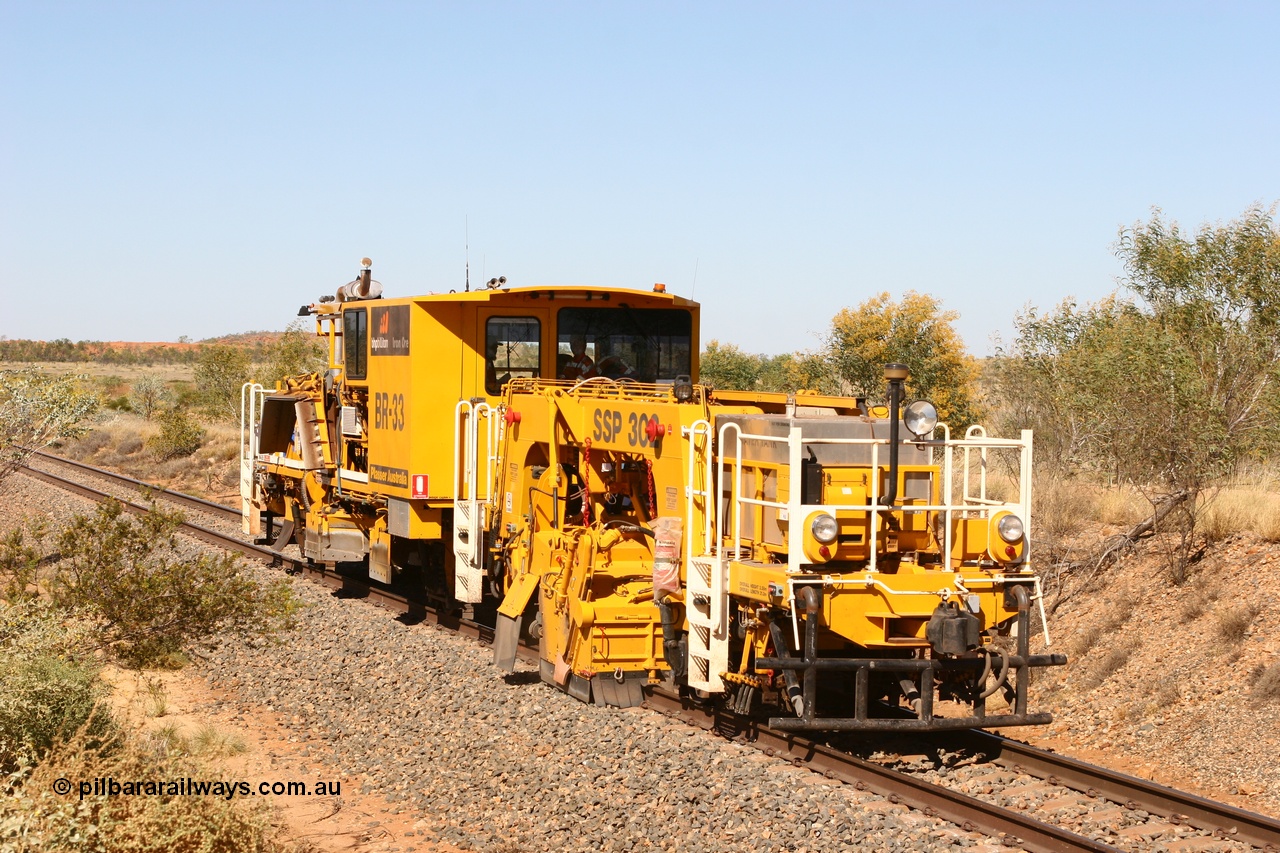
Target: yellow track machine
(545, 457)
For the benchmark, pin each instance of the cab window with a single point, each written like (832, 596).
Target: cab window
(639, 344)
(355, 342)
(512, 349)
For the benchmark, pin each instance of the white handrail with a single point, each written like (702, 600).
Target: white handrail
(975, 440)
(466, 440)
(699, 428)
(249, 416)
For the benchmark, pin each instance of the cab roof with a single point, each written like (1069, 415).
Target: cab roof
(551, 293)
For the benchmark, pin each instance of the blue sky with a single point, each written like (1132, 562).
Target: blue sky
(202, 168)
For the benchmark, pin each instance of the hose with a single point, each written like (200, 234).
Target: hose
(986, 670)
(671, 639)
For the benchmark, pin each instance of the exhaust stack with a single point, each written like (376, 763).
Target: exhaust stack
(362, 286)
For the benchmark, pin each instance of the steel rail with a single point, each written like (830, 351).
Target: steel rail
(1223, 820)
(204, 534)
(150, 488)
(346, 585)
(969, 813)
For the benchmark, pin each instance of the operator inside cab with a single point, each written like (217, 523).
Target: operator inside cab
(615, 368)
(580, 365)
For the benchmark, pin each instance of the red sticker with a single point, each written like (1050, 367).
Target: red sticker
(419, 486)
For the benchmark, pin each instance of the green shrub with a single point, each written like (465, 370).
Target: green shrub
(295, 352)
(152, 601)
(220, 371)
(186, 394)
(35, 628)
(149, 396)
(49, 687)
(179, 435)
(19, 563)
(42, 701)
(36, 411)
(53, 726)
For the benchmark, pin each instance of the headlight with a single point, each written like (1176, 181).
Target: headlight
(683, 388)
(1011, 528)
(920, 417)
(825, 529)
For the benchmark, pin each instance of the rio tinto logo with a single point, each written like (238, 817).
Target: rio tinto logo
(418, 486)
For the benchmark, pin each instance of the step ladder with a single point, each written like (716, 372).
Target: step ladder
(706, 581)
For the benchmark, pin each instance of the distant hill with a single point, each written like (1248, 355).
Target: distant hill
(245, 338)
(129, 352)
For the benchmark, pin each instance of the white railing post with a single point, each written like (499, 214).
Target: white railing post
(795, 521)
(735, 507)
(873, 517)
(468, 515)
(699, 465)
(250, 395)
(1025, 497)
(948, 500)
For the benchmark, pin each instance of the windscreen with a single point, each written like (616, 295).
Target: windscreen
(640, 344)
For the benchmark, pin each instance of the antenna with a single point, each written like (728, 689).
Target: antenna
(467, 250)
(694, 289)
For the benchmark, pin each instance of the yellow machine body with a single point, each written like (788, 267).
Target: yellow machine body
(547, 458)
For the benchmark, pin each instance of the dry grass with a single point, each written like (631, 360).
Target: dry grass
(1267, 685)
(117, 372)
(1167, 694)
(1083, 642)
(1250, 503)
(1113, 619)
(142, 824)
(1232, 623)
(1197, 599)
(1106, 666)
(120, 442)
(1235, 510)
(1062, 508)
(210, 742)
(1263, 476)
(1121, 506)
(157, 698)
(1067, 508)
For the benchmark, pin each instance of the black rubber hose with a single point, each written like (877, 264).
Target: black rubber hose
(783, 650)
(671, 639)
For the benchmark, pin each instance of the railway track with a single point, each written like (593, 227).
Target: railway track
(1025, 797)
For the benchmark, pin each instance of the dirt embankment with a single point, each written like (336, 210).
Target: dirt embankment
(1175, 682)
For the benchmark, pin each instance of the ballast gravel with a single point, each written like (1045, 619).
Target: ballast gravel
(505, 763)
(492, 762)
